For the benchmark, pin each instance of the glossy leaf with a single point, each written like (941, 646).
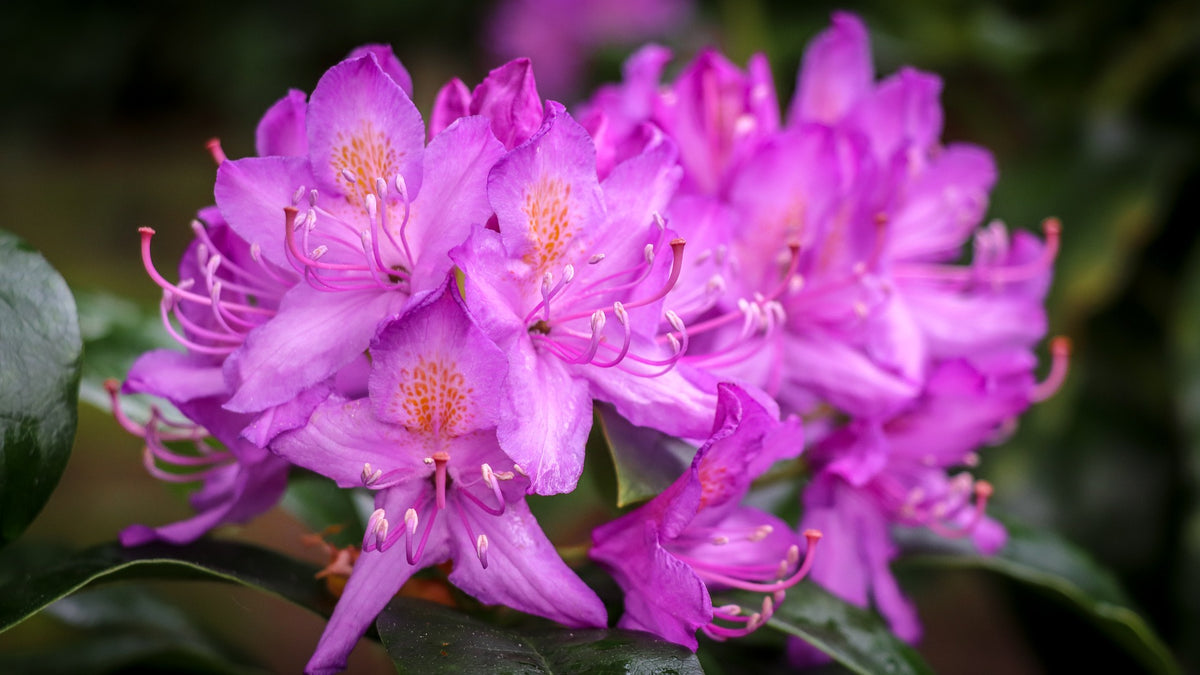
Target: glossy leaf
(646, 461)
(1049, 562)
(39, 380)
(26, 588)
(423, 637)
(852, 636)
(124, 627)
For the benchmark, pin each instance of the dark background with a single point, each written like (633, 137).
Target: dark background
(1091, 110)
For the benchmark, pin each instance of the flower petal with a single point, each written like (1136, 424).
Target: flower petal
(524, 570)
(361, 122)
(281, 130)
(835, 74)
(313, 335)
(252, 194)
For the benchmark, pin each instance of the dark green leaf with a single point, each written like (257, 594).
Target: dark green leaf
(39, 383)
(646, 461)
(27, 590)
(852, 636)
(422, 637)
(125, 627)
(1051, 563)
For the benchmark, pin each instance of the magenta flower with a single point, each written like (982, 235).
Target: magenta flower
(871, 475)
(571, 289)
(507, 97)
(370, 215)
(425, 439)
(224, 292)
(695, 537)
(560, 35)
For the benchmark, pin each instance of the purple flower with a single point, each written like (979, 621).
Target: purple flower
(365, 218)
(558, 35)
(871, 475)
(425, 440)
(224, 292)
(668, 554)
(571, 290)
(507, 97)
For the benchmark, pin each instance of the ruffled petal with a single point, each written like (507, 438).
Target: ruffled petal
(313, 335)
(281, 130)
(252, 194)
(835, 74)
(524, 571)
(361, 127)
(546, 436)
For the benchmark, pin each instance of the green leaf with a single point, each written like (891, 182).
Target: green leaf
(423, 637)
(26, 588)
(646, 461)
(325, 508)
(125, 627)
(115, 332)
(1049, 562)
(852, 636)
(39, 383)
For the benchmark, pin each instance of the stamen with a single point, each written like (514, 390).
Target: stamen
(214, 149)
(370, 477)
(595, 259)
(440, 459)
(481, 549)
(1060, 350)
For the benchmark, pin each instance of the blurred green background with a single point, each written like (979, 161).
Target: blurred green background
(1093, 113)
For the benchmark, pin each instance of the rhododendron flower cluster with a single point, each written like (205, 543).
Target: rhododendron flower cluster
(427, 312)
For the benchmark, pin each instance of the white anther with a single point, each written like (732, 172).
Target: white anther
(659, 222)
(298, 195)
(719, 254)
(372, 207)
(349, 176)
(481, 548)
(703, 257)
(621, 314)
(716, 284)
(547, 284)
(754, 621)
(720, 540)
(428, 461)
(319, 251)
(489, 477)
(595, 259)
(731, 610)
(598, 321)
(775, 308)
(674, 320)
(649, 253)
(793, 555)
(411, 520)
(381, 187)
(760, 533)
(313, 195)
(795, 284)
(401, 187)
(310, 219)
(299, 220)
(186, 284)
(255, 252)
(568, 273)
(369, 476)
(518, 469)
(744, 125)
(972, 459)
(675, 346)
(503, 475)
